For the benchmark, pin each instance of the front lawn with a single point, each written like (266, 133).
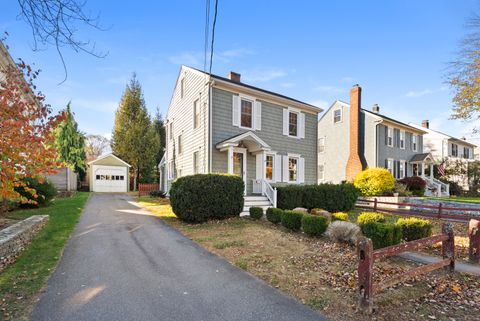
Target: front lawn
(459, 199)
(21, 282)
(322, 274)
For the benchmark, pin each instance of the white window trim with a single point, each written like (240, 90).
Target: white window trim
(341, 115)
(195, 160)
(402, 134)
(392, 171)
(180, 144)
(295, 111)
(414, 142)
(404, 174)
(324, 144)
(273, 154)
(297, 157)
(390, 135)
(253, 101)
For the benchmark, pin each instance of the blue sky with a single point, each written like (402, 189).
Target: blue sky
(310, 50)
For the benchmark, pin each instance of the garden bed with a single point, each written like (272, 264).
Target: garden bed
(322, 274)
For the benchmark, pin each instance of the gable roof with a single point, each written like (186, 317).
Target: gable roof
(250, 87)
(458, 140)
(109, 155)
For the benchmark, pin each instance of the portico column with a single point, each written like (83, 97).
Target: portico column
(423, 169)
(431, 171)
(230, 159)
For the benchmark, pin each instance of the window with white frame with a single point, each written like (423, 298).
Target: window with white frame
(390, 165)
(390, 136)
(321, 172)
(170, 170)
(466, 152)
(292, 169)
(269, 164)
(402, 139)
(180, 144)
(246, 113)
(182, 87)
(196, 163)
(402, 169)
(454, 150)
(321, 144)
(196, 113)
(414, 142)
(337, 115)
(293, 123)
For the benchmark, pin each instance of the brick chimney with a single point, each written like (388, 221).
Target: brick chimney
(376, 109)
(233, 76)
(354, 163)
(425, 123)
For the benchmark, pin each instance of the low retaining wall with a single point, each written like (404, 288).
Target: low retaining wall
(16, 237)
(446, 204)
(389, 199)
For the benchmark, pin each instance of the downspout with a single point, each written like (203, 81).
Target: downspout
(210, 151)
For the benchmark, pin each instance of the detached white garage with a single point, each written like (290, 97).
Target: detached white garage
(108, 174)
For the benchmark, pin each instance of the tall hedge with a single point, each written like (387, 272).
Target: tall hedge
(203, 197)
(330, 197)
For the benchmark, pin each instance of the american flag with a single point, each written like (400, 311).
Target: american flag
(441, 169)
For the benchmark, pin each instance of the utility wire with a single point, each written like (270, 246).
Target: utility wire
(213, 35)
(207, 33)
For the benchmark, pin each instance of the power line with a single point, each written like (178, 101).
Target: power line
(213, 34)
(207, 33)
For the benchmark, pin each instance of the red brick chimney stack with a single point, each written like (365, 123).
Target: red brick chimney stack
(354, 163)
(233, 76)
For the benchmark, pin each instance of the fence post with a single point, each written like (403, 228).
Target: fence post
(375, 204)
(474, 241)
(448, 246)
(440, 210)
(365, 278)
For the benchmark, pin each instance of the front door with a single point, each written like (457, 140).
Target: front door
(239, 164)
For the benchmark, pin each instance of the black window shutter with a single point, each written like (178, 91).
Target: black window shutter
(386, 135)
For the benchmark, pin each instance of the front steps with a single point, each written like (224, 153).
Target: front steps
(255, 201)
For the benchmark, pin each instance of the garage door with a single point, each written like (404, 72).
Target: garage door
(109, 178)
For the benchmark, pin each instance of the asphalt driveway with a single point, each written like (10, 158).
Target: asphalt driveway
(124, 264)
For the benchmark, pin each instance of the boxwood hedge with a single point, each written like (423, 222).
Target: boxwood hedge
(201, 197)
(330, 197)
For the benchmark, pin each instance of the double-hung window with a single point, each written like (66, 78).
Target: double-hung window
(390, 136)
(293, 123)
(337, 115)
(292, 169)
(321, 172)
(390, 166)
(414, 142)
(196, 163)
(196, 113)
(402, 139)
(321, 144)
(180, 144)
(402, 169)
(246, 113)
(466, 152)
(454, 150)
(269, 160)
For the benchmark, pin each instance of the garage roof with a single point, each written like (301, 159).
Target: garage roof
(109, 155)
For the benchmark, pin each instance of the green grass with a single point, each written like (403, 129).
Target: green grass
(460, 199)
(21, 281)
(242, 264)
(224, 244)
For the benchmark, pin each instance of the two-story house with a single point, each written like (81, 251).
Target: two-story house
(222, 125)
(446, 148)
(351, 139)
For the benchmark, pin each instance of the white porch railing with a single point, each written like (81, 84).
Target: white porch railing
(270, 192)
(441, 188)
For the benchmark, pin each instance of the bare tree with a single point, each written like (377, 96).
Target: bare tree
(56, 22)
(96, 145)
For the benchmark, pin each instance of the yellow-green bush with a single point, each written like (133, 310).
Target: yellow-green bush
(374, 181)
(340, 216)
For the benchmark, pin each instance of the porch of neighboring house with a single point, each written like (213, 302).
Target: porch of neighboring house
(421, 162)
(253, 160)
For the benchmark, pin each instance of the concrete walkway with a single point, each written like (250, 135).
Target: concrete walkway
(427, 259)
(124, 264)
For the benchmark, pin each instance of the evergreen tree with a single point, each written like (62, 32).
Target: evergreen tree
(159, 125)
(70, 143)
(134, 138)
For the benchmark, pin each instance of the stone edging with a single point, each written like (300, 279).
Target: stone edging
(16, 237)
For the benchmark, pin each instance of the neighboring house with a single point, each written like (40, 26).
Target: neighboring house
(221, 125)
(447, 148)
(108, 173)
(351, 139)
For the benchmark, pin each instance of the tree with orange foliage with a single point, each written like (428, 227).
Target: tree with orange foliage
(26, 132)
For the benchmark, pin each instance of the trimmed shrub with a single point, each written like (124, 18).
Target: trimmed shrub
(157, 193)
(256, 213)
(314, 225)
(330, 197)
(414, 228)
(382, 234)
(367, 217)
(374, 181)
(201, 197)
(292, 220)
(45, 191)
(340, 216)
(415, 184)
(340, 231)
(274, 215)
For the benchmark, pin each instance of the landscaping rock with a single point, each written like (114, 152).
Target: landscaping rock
(300, 209)
(320, 212)
(340, 231)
